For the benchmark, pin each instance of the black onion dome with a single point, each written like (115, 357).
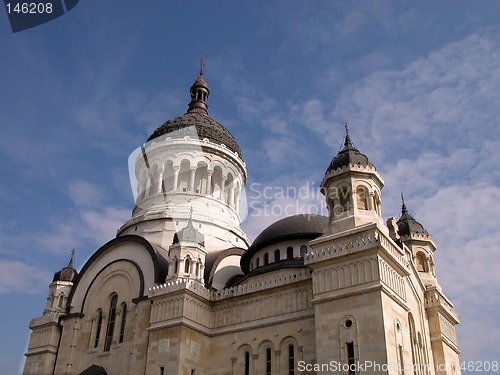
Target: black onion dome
(303, 226)
(205, 126)
(407, 225)
(348, 155)
(68, 273)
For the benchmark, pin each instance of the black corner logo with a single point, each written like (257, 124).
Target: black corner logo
(31, 13)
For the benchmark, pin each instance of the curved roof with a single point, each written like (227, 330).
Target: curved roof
(407, 225)
(68, 273)
(213, 259)
(160, 264)
(292, 227)
(348, 155)
(197, 117)
(206, 127)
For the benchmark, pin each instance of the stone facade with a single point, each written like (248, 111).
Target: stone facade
(181, 291)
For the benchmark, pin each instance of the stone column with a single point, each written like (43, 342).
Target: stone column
(231, 195)
(191, 180)
(176, 177)
(277, 360)
(253, 370)
(209, 181)
(158, 180)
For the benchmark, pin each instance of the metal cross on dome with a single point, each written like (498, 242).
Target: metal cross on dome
(202, 66)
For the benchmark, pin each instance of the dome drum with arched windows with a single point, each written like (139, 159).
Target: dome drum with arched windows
(190, 161)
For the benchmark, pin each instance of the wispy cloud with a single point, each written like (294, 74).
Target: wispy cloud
(20, 277)
(91, 222)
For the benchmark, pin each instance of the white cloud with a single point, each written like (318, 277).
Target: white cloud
(462, 221)
(91, 222)
(19, 277)
(84, 193)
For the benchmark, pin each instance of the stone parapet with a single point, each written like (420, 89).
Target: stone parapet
(51, 317)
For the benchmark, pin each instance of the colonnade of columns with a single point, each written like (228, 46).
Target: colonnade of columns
(191, 179)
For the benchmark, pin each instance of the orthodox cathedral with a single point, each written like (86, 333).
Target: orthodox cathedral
(181, 290)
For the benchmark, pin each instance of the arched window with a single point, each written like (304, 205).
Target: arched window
(201, 178)
(362, 198)
(111, 323)
(176, 265)
(98, 328)
(420, 262)
(168, 177)
(61, 300)
(268, 361)
(289, 253)
(216, 182)
(198, 268)
(247, 363)
(291, 360)
(123, 323)
(266, 258)
(413, 341)
(303, 251)
(184, 176)
(187, 265)
(277, 255)
(257, 262)
(351, 361)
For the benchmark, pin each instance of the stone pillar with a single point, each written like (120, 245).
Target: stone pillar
(158, 181)
(209, 182)
(176, 177)
(231, 195)
(191, 180)
(253, 370)
(277, 361)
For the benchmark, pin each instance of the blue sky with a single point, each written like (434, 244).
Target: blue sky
(417, 82)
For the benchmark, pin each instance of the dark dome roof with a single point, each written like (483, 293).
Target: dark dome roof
(197, 118)
(407, 225)
(205, 126)
(297, 226)
(293, 227)
(68, 273)
(348, 155)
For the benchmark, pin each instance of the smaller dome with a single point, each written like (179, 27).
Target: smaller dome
(408, 226)
(68, 273)
(303, 226)
(348, 155)
(297, 226)
(200, 82)
(189, 234)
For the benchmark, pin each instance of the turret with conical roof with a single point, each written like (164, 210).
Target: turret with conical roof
(417, 239)
(186, 255)
(352, 187)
